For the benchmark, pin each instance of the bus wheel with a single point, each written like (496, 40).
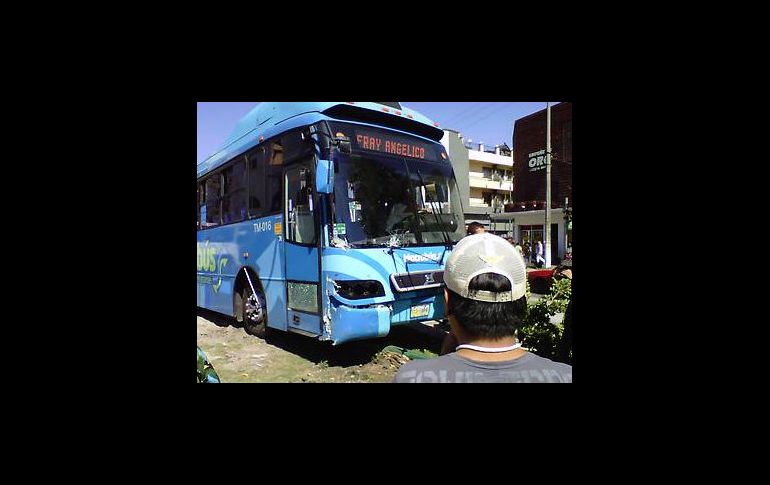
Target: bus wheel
(254, 313)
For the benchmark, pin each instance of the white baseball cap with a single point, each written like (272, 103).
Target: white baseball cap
(485, 253)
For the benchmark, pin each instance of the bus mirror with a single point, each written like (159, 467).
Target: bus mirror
(343, 143)
(324, 177)
(344, 146)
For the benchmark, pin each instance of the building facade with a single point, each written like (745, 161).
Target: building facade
(484, 176)
(524, 217)
(505, 189)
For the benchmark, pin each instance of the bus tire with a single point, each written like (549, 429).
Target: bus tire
(254, 313)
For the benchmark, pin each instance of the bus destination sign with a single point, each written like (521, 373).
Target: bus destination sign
(390, 145)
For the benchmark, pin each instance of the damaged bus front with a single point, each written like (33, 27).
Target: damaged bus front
(394, 214)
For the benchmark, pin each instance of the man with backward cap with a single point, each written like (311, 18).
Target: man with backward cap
(486, 282)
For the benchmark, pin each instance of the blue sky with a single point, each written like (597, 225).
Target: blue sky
(488, 122)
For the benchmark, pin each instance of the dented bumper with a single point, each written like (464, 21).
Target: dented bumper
(348, 323)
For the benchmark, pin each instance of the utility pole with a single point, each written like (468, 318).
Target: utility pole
(547, 242)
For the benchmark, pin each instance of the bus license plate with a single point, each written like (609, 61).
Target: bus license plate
(420, 311)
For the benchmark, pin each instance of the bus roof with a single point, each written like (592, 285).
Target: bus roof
(261, 122)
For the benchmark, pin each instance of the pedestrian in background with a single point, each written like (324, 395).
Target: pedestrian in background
(539, 259)
(476, 228)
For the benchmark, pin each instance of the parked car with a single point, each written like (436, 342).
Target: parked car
(540, 280)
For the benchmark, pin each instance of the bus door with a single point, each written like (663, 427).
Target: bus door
(301, 249)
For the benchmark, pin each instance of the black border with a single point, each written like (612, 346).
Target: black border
(593, 141)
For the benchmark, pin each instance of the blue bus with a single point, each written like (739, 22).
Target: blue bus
(328, 219)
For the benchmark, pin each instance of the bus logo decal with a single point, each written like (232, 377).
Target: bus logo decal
(222, 263)
(210, 260)
(422, 258)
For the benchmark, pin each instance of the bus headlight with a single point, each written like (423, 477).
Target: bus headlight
(357, 290)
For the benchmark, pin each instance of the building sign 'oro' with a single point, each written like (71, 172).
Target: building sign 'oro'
(536, 161)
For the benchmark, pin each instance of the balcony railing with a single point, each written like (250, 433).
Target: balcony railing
(497, 204)
(489, 183)
(487, 149)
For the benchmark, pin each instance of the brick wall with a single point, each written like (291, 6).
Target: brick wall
(529, 137)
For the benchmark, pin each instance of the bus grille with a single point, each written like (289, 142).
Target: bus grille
(417, 280)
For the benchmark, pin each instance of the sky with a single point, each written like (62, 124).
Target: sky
(487, 122)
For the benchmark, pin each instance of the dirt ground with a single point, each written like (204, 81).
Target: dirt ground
(284, 357)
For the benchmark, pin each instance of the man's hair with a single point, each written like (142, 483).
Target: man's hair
(484, 319)
(473, 227)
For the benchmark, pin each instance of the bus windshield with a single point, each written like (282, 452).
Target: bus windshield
(383, 200)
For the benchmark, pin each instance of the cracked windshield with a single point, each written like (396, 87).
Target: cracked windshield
(384, 200)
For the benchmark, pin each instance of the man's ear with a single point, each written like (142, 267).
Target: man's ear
(446, 295)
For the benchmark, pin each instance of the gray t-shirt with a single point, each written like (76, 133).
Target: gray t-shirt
(454, 368)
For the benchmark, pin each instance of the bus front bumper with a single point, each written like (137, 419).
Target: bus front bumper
(352, 323)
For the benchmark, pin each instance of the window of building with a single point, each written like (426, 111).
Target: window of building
(493, 173)
(567, 141)
(235, 195)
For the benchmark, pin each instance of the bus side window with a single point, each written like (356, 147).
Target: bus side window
(257, 183)
(295, 146)
(234, 200)
(273, 175)
(199, 202)
(213, 200)
(300, 223)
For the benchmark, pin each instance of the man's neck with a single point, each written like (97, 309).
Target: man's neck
(491, 344)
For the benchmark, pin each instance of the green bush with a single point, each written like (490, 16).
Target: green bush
(413, 354)
(206, 372)
(537, 333)
(561, 290)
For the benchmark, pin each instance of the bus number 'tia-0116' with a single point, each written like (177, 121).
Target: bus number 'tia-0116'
(263, 226)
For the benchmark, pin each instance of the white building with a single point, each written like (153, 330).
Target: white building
(484, 176)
